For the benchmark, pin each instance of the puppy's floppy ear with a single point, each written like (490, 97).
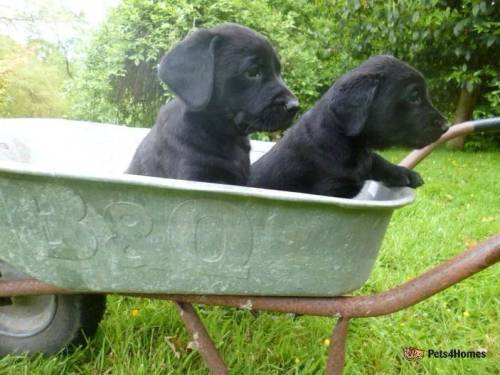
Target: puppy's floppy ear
(188, 69)
(352, 100)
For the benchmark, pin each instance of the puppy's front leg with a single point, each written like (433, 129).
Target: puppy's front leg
(393, 175)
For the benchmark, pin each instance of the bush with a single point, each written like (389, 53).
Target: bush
(31, 80)
(120, 82)
(316, 41)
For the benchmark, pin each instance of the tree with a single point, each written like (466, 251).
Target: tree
(120, 81)
(455, 43)
(38, 19)
(31, 80)
(34, 73)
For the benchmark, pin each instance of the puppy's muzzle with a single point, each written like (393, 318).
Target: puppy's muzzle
(434, 131)
(288, 102)
(292, 106)
(280, 111)
(441, 123)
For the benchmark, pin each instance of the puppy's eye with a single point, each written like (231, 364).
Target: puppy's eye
(415, 97)
(254, 72)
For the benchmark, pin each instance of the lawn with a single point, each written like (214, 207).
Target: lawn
(458, 206)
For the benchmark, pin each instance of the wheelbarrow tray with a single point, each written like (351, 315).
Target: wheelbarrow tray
(70, 217)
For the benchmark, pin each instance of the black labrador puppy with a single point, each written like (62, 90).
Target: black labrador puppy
(228, 84)
(329, 151)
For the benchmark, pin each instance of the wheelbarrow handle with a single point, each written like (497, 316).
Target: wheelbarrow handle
(464, 128)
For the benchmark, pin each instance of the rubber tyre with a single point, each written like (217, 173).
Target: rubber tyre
(75, 320)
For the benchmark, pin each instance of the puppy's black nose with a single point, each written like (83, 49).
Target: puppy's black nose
(292, 106)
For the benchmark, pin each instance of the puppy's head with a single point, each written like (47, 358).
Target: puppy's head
(385, 102)
(233, 70)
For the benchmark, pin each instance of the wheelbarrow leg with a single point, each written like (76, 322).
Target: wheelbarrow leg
(201, 338)
(335, 364)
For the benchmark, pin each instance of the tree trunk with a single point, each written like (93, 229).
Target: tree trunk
(463, 113)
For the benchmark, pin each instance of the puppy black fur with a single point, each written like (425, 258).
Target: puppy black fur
(329, 151)
(228, 84)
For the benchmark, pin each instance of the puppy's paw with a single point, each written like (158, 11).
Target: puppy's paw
(415, 180)
(404, 177)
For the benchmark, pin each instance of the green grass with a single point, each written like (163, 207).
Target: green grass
(458, 205)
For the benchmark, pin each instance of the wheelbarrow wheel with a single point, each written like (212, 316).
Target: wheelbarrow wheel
(47, 324)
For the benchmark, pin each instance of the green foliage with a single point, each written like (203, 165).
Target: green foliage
(31, 80)
(119, 83)
(454, 43)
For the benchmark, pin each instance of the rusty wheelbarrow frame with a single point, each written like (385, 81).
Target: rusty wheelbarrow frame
(345, 308)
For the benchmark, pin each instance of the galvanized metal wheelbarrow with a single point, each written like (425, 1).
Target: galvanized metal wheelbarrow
(74, 228)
